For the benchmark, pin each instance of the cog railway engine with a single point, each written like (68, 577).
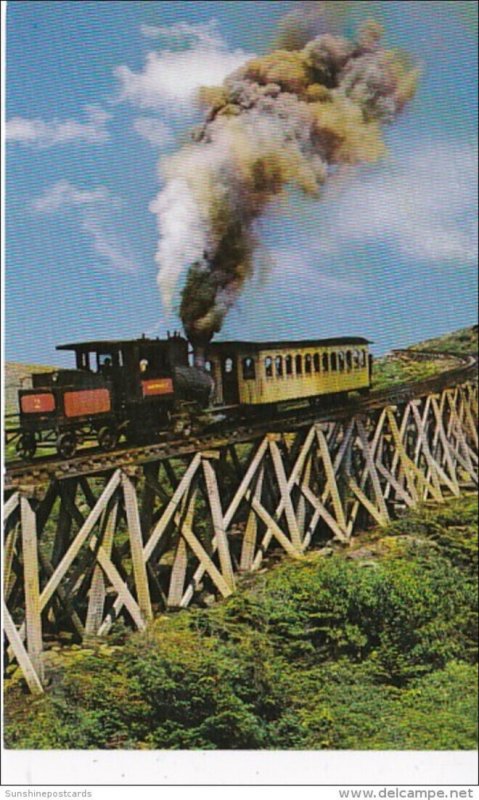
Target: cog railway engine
(136, 388)
(144, 387)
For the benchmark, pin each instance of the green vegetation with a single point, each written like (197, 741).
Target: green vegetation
(393, 369)
(370, 647)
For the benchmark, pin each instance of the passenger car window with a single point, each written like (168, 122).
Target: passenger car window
(334, 362)
(248, 369)
(228, 365)
(363, 358)
(279, 366)
(299, 365)
(288, 363)
(325, 362)
(349, 359)
(316, 362)
(268, 367)
(308, 364)
(341, 361)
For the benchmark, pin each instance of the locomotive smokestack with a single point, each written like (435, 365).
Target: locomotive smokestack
(199, 356)
(199, 343)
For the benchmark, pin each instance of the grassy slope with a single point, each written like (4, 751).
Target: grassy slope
(459, 342)
(372, 647)
(392, 369)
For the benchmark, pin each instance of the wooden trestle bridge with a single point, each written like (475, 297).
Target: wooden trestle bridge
(138, 532)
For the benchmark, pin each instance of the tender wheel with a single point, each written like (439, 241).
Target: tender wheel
(107, 438)
(67, 444)
(26, 446)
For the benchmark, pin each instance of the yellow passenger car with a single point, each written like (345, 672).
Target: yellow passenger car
(258, 373)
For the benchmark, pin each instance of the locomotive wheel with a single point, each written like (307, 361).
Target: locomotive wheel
(26, 446)
(67, 444)
(107, 438)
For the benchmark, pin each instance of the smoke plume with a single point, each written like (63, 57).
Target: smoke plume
(286, 119)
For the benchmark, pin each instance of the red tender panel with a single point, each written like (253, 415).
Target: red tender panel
(86, 402)
(37, 403)
(157, 386)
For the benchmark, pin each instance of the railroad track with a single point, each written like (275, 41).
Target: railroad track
(95, 461)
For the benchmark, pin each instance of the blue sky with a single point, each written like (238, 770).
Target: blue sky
(98, 92)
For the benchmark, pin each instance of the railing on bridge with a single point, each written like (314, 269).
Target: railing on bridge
(136, 541)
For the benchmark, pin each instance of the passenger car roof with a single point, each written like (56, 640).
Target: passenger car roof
(286, 344)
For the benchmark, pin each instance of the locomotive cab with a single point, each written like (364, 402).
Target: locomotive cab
(117, 387)
(150, 380)
(140, 374)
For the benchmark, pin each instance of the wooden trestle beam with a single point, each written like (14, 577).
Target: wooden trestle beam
(136, 542)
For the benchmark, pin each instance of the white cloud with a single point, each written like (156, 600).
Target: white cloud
(63, 194)
(170, 78)
(305, 271)
(96, 214)
(42, 134)
(108, 243)
(153, 130)
(424, 206)
(205, 33)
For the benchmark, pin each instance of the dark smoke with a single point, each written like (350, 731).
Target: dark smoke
(286, 119)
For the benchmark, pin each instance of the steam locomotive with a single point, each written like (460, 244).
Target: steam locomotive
(135, 388)
(145, 387)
